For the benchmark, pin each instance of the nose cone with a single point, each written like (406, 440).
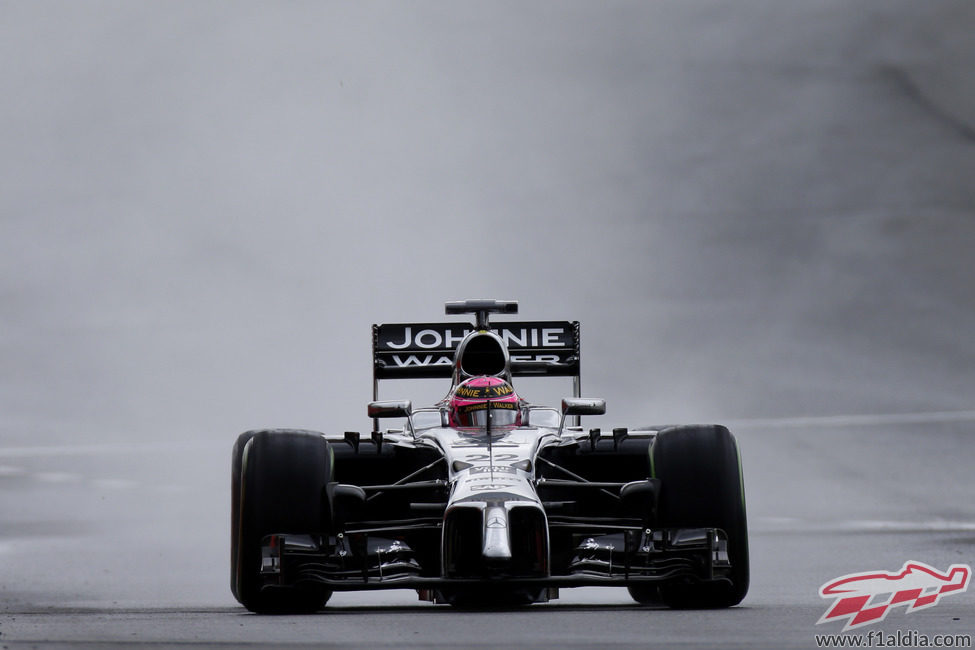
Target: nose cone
(497, 540)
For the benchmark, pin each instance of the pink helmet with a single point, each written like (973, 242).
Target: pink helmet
(473, 400)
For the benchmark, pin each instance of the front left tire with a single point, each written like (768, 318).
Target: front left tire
(701, 486)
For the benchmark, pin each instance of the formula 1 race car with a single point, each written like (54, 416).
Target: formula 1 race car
(484, 498)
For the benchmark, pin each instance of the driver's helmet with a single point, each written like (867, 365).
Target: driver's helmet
(474, 400)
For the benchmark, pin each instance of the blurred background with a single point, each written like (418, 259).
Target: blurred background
(757, 211)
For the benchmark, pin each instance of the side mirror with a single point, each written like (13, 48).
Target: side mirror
(402, 408)
(583, 406)
(580, 406)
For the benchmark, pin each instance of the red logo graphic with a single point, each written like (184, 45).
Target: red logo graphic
(865, 598)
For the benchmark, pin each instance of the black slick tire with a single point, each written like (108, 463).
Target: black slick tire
(279, 487)
(701, 486)
(645, 594)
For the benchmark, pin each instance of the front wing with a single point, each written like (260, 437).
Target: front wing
(377, 558)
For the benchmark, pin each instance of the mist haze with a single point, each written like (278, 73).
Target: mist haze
(756, 211)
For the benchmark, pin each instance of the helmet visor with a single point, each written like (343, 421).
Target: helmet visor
(502, 414)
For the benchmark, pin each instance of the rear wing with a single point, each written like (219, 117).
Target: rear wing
(426, 350)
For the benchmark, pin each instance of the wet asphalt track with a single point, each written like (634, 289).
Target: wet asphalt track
(762, 215)
(816, 513)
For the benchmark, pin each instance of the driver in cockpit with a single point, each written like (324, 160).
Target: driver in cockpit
(477, 400)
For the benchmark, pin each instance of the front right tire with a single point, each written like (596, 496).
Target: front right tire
(279, 479)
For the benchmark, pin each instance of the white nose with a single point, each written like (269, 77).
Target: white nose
(497, 544)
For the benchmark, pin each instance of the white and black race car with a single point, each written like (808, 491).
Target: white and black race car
(484, 498)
